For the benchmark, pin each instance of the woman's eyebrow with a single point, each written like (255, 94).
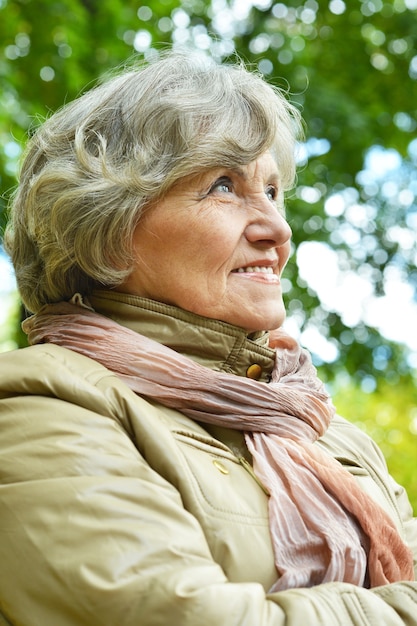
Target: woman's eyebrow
(242, 173)
(239, 171)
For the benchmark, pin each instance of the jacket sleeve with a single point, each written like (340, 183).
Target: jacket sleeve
(92, 536)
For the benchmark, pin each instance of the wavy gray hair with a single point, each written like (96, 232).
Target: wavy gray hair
(93, 167)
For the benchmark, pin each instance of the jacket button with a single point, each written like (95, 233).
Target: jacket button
(219, 465)
(254, 371)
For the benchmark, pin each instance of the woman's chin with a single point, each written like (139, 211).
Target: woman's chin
(262, 320)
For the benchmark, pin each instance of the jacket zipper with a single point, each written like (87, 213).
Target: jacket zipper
(248, 467)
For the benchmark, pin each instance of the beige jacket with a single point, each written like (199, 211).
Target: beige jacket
(115, 511)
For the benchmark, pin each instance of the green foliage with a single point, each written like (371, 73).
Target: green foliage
(389, 416)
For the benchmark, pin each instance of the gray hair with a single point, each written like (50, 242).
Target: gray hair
(93, 167)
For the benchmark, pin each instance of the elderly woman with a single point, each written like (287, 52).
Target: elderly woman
(168, 455)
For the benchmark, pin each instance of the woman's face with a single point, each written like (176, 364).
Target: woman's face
(216, 245)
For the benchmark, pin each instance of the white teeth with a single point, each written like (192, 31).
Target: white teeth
(256, 268)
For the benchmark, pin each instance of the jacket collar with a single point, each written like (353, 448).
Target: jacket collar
(212, 343)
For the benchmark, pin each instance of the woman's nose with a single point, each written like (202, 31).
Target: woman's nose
(268, 227)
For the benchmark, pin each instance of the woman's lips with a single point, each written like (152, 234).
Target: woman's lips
(260, 273)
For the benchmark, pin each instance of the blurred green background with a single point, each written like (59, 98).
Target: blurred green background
(351, 67)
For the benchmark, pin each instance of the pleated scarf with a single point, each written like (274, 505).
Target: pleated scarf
(324, 528)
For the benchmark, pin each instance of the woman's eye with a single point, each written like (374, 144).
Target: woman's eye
(224, 185)
(271, 193)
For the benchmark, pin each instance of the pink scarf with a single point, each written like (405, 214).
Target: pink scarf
(323, 526)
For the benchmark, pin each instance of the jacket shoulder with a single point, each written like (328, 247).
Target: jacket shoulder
(46, 362)
(349, 444)
(46, 371)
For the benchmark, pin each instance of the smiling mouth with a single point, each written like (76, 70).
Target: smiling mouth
(254, 269)
(259, 273)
